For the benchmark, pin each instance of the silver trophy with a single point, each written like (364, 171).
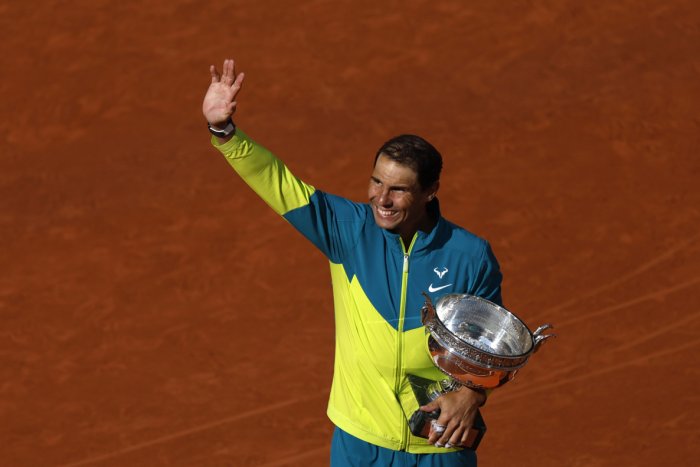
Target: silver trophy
(477, 344)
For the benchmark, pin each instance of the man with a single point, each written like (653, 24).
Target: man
(383, 255)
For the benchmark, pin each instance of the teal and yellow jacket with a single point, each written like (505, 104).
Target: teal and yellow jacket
(377, 287)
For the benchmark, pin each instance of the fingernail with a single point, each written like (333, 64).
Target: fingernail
(449, 445)
(439, 445)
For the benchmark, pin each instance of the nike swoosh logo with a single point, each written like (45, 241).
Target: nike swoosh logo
(435, 289)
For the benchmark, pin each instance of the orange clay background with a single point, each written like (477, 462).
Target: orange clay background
(155, 312)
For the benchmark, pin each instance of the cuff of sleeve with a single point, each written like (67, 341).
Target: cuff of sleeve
(238, 147)
(238, 138)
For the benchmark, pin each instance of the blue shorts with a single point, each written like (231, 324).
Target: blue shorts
(348, 451)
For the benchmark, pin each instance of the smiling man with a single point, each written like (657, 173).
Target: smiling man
(403, 184)
(383, 255)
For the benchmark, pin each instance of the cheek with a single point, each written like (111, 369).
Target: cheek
(410, 206)
(373, 191)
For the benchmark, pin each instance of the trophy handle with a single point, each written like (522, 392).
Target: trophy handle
(539, 338)
(428, 313)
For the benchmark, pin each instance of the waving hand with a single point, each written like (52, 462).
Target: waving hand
(220, 101)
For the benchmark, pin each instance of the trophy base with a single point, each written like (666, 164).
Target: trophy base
(419, 423)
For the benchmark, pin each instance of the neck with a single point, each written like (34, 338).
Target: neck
(426, 225)
(407, 239)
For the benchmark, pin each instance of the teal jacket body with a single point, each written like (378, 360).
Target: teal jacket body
(378, 284)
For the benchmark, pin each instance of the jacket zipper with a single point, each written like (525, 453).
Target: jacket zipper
(399, 334)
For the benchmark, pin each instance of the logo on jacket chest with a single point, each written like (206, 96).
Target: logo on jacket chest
(440, 273)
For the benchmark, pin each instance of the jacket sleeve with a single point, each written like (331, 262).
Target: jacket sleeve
(330, 222)
(488, 283)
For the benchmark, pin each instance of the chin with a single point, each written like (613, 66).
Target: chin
(385, 224)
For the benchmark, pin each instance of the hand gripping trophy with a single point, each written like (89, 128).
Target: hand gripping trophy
(477, 344)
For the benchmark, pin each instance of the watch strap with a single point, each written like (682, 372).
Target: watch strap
(227, 131)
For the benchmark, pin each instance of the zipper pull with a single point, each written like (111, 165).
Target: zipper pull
(405, 262)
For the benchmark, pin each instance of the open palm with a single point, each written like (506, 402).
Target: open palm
(220, 101)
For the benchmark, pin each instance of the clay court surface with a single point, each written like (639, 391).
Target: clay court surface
(155, 312)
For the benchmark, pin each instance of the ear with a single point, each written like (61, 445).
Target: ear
(432, 191)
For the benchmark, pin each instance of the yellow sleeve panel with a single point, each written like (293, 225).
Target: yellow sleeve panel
(265, 174)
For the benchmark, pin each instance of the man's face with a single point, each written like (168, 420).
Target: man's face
(397, 199)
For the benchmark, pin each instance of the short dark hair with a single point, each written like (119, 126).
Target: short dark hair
(416, 153)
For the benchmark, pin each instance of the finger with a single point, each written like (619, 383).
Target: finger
(239, 82)
(465, 427)
(436, 428)
(215, 77)
(441, 438)
(452, 434)
(224, 70)
(465, 437)
(446, 436)
(228, 72)
(456, 438)
(237, 85)
(430, 407)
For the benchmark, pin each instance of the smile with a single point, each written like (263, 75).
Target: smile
(385, 212)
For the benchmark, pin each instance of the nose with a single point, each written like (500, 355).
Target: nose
(384, 199)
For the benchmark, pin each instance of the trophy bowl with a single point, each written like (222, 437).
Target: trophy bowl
(477, 342)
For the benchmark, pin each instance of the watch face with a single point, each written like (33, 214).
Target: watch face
(230, 128)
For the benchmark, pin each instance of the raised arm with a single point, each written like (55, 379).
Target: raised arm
(220, 100)
(329, 222)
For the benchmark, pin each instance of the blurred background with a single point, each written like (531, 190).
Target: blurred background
(155, 312)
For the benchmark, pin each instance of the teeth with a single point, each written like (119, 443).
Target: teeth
(385, 212)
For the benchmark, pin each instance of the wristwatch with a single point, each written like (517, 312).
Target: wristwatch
(226, 132)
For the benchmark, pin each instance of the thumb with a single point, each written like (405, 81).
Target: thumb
(431, 407)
